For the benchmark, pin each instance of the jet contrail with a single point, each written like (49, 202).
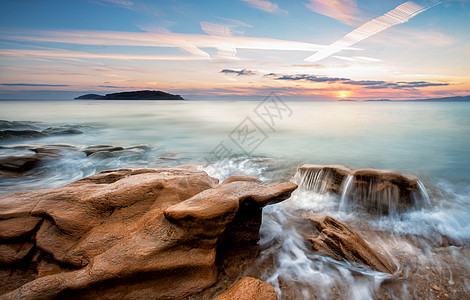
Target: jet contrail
(399, 15)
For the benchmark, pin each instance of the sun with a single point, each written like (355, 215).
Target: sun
(343, 94)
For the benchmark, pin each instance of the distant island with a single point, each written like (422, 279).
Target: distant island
(135, 95)
(443, 99)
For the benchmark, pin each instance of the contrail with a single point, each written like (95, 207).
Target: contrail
(399, 15)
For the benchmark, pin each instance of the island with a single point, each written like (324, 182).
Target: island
(135, 95)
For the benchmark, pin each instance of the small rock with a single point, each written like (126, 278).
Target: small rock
(249, 288)
(434, 287)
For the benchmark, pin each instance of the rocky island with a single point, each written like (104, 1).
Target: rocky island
(135, 95)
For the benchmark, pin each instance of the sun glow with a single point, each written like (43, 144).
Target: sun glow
(343, 94)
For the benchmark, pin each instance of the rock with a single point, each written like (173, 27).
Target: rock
(249, 288)
(234, 178)
(383, 191)
(101, 148)
(321, 179)
(132, 233)
(19, 125)
(340, 242)
(61, 130)
(11, 253)
(18, 227)
(20, 162)
(435, 287)
(20, 134)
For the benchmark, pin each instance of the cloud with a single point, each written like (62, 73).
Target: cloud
(123, 3)
(191, 43)
(266, 6)
(306, 77)
(369, 84)
(239, 72)
(32, 84)
(399, 15)
(136, 5)
(223, 29)
(342, 10)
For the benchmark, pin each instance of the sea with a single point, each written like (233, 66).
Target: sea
(270, 139)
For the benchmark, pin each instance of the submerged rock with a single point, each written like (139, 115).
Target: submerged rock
(61, 130)
(130, 233)
(20, 134)
(89, 150)
(249, 288)
(19, 162)
(342, 243)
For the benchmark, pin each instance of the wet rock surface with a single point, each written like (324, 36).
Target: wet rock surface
(384, 192)
(342, 243)
(321, 178)
(129, 233)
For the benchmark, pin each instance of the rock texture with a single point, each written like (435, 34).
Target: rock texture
(340, 242)
(129, 233)
(384, 191)
(322, 179)
(249, 288)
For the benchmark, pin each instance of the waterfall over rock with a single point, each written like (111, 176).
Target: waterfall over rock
(382, 192)
(321, 179)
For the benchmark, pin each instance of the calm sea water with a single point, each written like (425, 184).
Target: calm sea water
(429, 140)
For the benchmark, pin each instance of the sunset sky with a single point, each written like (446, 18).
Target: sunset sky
(235, 49)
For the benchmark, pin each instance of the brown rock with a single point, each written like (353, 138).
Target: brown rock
(10, 253)
(383, 191)
(17, 227)
(19, 162)
(321, 179)
(249, 288)
(135, 233)
(234, 178)
(340, 242)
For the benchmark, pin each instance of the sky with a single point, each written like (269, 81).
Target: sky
(236, 49)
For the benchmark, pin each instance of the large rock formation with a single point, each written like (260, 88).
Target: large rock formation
(340, 242)
(249, 288)
(130, 233)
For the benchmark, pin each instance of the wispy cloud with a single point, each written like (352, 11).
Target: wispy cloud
(343, 10)
(32, 84)
(227, 29)
(399, 15)
(124, 3)
(239, 72)
(266, 6)
(136, 5)
(369, 84)
(191, 43)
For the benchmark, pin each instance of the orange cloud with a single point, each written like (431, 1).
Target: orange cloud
(343, 10)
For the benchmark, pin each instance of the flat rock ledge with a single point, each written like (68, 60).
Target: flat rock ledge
(129, 233)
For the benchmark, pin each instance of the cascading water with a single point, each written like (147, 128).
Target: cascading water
(289, 263)
(382, 192)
